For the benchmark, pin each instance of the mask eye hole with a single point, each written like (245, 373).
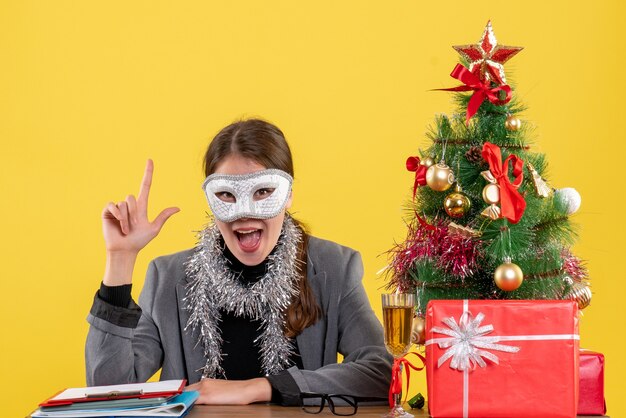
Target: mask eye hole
(263, 193)
(226, 197)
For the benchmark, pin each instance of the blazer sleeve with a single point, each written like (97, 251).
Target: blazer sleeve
(123, 344)
(366, 368)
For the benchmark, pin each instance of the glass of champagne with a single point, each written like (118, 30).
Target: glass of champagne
(398, 309)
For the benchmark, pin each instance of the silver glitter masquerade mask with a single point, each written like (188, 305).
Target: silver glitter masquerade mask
(259, 195)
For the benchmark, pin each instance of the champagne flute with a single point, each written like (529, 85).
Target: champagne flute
(398, 311)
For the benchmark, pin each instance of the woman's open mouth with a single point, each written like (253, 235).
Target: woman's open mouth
(249, 239)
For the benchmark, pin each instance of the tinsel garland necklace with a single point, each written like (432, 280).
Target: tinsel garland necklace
(215, 286)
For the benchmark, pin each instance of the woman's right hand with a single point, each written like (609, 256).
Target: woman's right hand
(127, 230)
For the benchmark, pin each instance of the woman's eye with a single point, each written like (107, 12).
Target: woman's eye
(263, 193)
(225, 197)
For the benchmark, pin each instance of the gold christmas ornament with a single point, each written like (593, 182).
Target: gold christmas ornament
(491, 194)
(541, 187)
(457, 204)
(439, 177)
(463, 231)
(418, 332)
(512, 123)
(581, 293)
(428, 161)
(492, 212)
(508, 276)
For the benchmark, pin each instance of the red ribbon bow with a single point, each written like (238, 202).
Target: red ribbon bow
(396, 374)
(512, 202)
(413, 164)
(482, 90)
(424, 223)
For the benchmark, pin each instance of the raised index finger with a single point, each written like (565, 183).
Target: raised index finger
(146, 182)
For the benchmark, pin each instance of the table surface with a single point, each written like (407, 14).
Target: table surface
(266, 411)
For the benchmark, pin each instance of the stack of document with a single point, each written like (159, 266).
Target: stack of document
(156, 399)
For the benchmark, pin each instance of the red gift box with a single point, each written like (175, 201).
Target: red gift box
(491, 359)
(591, 399)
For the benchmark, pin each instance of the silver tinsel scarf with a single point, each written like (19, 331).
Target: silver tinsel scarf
(215, 286)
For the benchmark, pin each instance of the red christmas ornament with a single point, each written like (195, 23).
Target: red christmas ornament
(486, 57)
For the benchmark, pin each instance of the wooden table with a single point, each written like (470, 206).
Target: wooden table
(266, 411)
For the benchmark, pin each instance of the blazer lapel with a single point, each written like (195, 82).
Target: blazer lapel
(311, 340)
(192, 351)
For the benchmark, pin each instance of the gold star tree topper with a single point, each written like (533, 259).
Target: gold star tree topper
(486, 58)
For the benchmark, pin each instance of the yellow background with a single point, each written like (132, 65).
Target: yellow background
(90, 90)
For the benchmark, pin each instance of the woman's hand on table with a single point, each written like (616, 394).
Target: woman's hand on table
(232, 392)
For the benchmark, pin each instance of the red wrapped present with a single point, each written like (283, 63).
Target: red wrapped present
(591, 399)
(489, 359)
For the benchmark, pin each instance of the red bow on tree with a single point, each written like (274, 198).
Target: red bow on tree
(482, 90)
(396, 374)
(512, 202)
(424, 223)
(413, 164)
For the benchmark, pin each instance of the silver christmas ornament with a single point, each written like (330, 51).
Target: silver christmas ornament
(570, 198)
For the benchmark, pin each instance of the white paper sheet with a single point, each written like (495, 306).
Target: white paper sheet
(151, 387)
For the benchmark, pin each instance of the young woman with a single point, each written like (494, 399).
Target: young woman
(257, 311)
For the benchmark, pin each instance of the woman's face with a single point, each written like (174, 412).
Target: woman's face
(250, 240)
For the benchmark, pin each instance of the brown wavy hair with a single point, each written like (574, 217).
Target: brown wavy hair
(265, 144)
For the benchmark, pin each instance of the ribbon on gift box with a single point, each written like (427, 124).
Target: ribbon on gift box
(468, 342)
(467, 345)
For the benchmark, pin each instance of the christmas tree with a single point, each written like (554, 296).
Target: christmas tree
(483, 221)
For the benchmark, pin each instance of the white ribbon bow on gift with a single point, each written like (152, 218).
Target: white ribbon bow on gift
(468, 342)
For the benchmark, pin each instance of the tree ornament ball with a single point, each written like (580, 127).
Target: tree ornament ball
(418, 332)
(512, 123)
(508, 276)
(570, 198)
(581, 293)
(428, 161)
(439, 177)
(457, 205)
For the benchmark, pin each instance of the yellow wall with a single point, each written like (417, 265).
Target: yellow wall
(89, 90)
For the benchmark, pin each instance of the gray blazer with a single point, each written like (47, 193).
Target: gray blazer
(124, 354)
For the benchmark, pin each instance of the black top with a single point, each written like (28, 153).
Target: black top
(240, 355)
